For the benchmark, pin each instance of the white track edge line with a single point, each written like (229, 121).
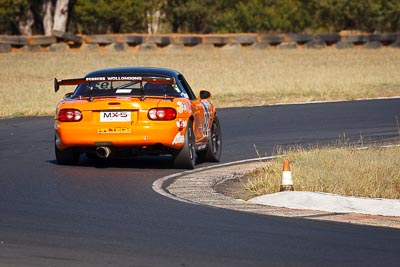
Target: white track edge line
(159, 183)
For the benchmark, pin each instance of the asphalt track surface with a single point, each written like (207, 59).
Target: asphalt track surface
(108, 214)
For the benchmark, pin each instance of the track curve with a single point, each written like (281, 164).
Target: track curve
(109, 215)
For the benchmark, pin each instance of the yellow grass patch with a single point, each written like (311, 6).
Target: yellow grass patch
(243, 77)
(374, 172)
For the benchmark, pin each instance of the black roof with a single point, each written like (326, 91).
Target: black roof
(138, 71)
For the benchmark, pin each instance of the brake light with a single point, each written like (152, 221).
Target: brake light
(163, 114)
(69, 115)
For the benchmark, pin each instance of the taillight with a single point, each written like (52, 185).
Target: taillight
(68, 115)
(163, 114)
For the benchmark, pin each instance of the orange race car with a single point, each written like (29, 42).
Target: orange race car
(136, 111)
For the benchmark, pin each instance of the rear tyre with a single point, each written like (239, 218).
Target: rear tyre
(186, 157)
(214, 144)
(66, 156)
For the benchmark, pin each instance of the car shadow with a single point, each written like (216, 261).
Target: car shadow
(140, 162)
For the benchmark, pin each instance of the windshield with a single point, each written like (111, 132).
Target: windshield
(128, 88)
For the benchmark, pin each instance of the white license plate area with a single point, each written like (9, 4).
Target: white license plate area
(115, 116)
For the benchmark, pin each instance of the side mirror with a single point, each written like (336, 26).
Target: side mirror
(68, 95)
(205, 94)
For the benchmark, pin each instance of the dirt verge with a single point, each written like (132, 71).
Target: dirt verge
(220, 187)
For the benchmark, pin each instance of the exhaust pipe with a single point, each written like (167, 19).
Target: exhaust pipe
(103, 152)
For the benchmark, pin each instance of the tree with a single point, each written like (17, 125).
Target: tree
(108, 16)
(193, 16)
(390, 16)
(258, 16)
(59, 20)
(25, 22)
(24, 16)
(360, 15)
(197, 16)
(61, 15)
(47, 17)
(154, 15)
(15, 16)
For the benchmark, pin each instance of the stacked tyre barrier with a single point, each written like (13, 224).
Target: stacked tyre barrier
(62, 41)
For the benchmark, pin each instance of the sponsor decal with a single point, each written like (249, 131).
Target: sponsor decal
(181, 124)
(117, 130)
(179, 139)
(115, 116)
(206, 107)
(123, 91)
(95, 79)
(105, 85)
(115, 78)
(181, 107)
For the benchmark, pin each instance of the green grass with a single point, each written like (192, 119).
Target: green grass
(374, 172)
(244, 77)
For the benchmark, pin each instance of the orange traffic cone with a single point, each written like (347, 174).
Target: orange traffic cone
(287, 181)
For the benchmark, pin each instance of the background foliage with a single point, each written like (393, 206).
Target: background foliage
(205, 16)
(104, 16)
(10, 12)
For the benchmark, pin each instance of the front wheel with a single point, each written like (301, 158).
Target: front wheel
(186, 157)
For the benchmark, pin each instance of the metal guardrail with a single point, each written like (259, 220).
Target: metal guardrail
(7, 43)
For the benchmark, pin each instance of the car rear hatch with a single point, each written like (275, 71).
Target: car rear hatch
(116, 110)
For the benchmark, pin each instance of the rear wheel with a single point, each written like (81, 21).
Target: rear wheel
(66, 156)
(214, 144)
(186, 157)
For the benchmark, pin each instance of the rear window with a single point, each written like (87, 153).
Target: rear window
(128, 88)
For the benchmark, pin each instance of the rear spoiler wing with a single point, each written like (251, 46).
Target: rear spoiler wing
(162, 80)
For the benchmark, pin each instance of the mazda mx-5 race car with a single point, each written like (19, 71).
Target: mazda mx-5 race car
(133, 112)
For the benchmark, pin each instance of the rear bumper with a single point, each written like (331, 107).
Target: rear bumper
(78, 134)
